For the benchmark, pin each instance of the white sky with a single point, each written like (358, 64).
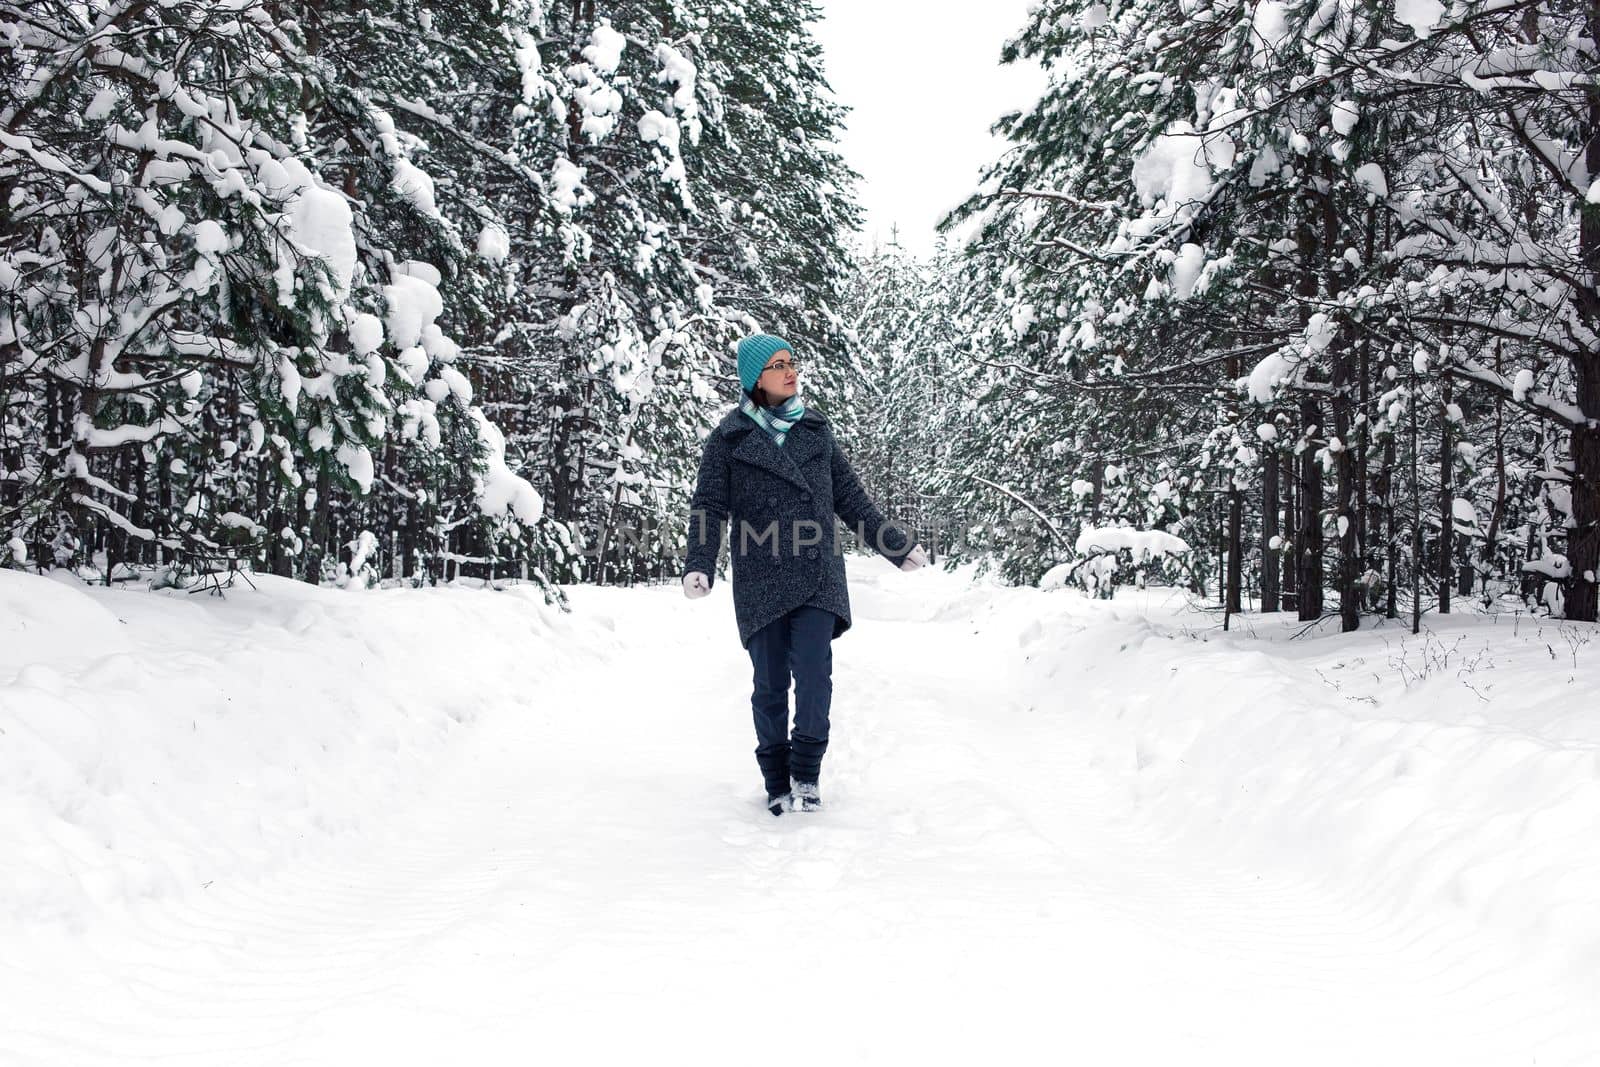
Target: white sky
(924, 83)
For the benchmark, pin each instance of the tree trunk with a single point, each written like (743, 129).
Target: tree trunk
(1309, 554)
(1235, 545)
(1308, 527)
(316, 541)
(1447, 497)
(1291, 558)
(1583, 540)
(1391, 607)
(1345, 490)
(1488, 555)
(1346, 517)
(1269, 532)
(1366, 504)
(1416, 516)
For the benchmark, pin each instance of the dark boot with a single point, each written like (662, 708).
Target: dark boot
(805, 758)
(774, 762)
(806, 797)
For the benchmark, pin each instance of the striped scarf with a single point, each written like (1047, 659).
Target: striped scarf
(775, 420)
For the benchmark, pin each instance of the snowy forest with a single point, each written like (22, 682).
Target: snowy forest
(1309, 285)
(365, 369)
(412, 291)
(350, 291)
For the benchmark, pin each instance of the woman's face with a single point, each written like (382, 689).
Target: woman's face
(780, 379)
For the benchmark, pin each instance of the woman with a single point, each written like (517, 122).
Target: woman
(772, 467)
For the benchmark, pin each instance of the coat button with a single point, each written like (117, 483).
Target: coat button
(811, 553)
(772, 500)
(805, 496)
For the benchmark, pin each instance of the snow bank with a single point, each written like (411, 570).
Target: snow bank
(1453, 775)
(1057, 577)
(1247, 848)
(154, 742)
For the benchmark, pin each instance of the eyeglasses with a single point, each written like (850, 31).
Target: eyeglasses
(783, 366)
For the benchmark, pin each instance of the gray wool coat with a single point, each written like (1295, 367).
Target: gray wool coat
(780, 504)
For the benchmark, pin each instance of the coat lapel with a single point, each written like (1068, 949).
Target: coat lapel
(801, 444)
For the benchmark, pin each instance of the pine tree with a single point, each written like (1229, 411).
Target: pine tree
(1245, 226)
(216, 322)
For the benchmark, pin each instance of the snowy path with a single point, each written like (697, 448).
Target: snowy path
(590, 876)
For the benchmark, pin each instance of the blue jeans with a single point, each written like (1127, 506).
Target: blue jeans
(799, 644)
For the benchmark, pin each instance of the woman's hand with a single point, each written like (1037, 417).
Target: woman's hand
(917, 558)
(696, 585)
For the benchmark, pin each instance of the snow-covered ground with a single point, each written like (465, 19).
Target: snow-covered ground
(314, 826)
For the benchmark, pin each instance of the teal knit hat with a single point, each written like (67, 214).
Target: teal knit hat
(754, 351)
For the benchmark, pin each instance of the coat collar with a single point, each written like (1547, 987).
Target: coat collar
(760, 449)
